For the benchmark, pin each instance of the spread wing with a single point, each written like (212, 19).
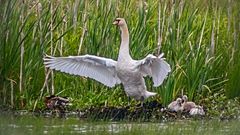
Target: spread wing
(155, 67)
(98, 68)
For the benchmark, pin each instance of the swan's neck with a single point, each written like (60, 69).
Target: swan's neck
(124, 47)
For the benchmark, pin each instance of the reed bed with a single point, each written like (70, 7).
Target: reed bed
(200, 40)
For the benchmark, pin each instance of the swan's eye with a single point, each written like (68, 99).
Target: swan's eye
(117, 21)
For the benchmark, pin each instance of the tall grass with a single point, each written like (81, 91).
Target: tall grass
(198, 39)
(233, 85)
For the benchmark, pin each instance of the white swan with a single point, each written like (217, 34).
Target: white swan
(109, 72)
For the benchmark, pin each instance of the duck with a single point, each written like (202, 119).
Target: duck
(55, 102)
(125, 70)
(176, 105)
(198, 110)
(187, 105)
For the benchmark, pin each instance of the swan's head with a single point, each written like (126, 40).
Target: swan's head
(185, 98)
(119, 22)
(179, 100)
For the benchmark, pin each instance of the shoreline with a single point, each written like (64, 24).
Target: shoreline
(150, 112)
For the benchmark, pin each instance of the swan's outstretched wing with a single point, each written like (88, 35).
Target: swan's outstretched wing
(155, 67)
(98, 68)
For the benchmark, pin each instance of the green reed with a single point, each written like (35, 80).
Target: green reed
(197, 39)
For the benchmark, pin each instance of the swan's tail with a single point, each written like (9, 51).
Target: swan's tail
(149, 94)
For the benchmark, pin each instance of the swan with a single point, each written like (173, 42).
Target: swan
(175, 106)
(187, 105)
(109, 72)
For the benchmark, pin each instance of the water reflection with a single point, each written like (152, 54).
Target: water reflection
(39, 125)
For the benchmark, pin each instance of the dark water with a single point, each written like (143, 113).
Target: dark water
(23, 125)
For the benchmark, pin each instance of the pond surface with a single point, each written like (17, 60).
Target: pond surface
(23, 125)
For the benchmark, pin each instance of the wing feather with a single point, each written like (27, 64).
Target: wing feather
(98, 68)
(155, 67)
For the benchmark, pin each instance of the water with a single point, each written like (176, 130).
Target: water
(23, 125)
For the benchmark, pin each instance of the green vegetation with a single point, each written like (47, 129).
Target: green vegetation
(200, 40)
(234, 73)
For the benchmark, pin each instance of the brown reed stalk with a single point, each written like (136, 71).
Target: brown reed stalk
(21, 57)
(84, 27)
(39, 12)
(159, 43)
(45, 84)
(161, 25)
(4, 93)
(145, 7)
(63, 28)
(212, 48)
(75, 14)
(51, 38)
(229, 9)
(12, 91)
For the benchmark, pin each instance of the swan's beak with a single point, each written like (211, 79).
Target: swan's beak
(115, 22)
